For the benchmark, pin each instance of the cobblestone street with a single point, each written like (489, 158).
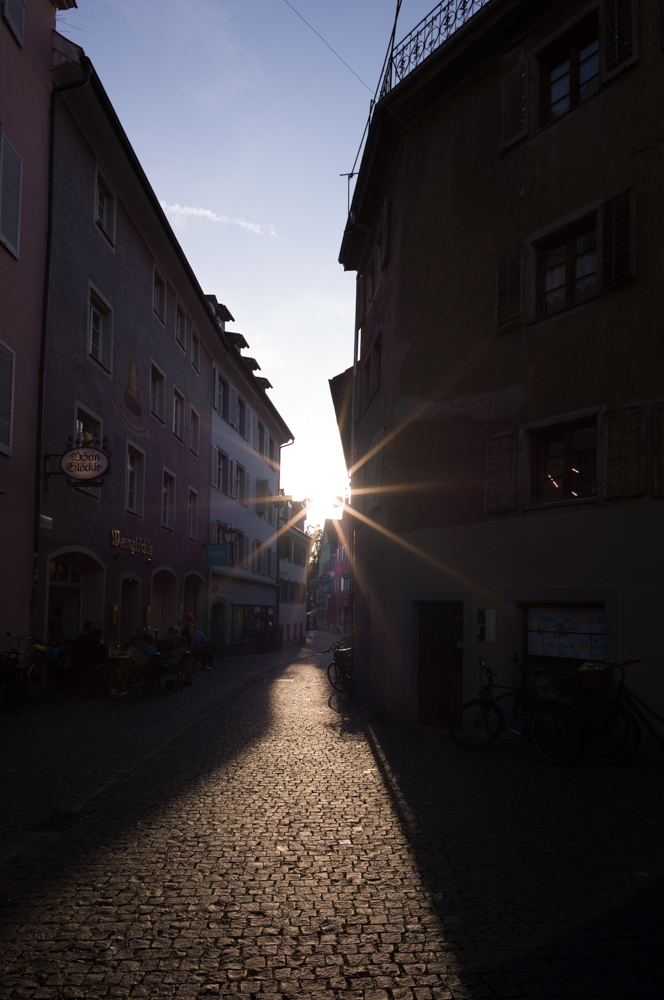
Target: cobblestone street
(252, 835)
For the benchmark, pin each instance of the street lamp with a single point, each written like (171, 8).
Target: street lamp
(230, 536)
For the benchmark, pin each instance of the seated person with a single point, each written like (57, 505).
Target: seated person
(137, 640)
(80, 642)
(180, 659)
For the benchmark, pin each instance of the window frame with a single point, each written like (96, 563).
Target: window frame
(161, 417)
(192, 530)
(158, 279)
(107, 231)
(216, 454)
(7, 449)
(194, 421)
(18, 31)
(168, 525)
(105, 310)
(177, 394)
(524, 474)
(567, 234)
(139, 510)
(91, 491)
(180, 314)
(569, 42)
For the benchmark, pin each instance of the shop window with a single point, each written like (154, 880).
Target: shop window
(564, 462)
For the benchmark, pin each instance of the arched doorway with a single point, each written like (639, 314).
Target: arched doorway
(218, 625)
(164, 602)
(75, 592)
(193, 597)
(130, 608)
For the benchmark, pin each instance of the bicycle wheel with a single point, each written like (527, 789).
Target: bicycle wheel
(336, 677)
(557, 733)
(476, 724)
(613, 734)
(515, 703)
(37, 679)
(9, 686)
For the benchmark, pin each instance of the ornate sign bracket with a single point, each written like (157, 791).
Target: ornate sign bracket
(84, 462)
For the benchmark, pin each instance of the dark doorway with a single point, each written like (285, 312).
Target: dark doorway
(439, 660)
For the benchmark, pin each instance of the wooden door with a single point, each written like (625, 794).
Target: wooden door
(440, 660)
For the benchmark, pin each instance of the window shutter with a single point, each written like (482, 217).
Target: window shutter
(247, 424)
(14, 13)
(658, 483)
(231, 479)
(513, 101)
(508, 286)
(215, 461)
(11, 175)
(625, 452)
(500, 474)
(215, 398)
(617, 240)
(386, 233)
(6, 398)
(255, 432)
(619, 28)
(233, 407)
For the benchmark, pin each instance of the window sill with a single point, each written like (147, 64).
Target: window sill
(181, 345)
(167, 527)
(101, 366)
(161, 319)
(161, 420)
(567, 311)
(134, 513)
(106, 236)
(581, 501)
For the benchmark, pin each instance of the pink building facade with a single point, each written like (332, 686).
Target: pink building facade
(26, 30)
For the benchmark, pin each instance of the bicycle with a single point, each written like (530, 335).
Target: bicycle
(21, 679)
(616, 721)
(549, 721)
(340, 671)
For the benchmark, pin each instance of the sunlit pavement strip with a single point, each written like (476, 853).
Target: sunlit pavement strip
(279, 845)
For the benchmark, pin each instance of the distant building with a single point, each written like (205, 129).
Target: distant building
(293, 547)
(508, 424)
(25, 93)
(340, 577)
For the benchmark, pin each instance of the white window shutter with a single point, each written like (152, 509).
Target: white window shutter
(6, 398)
(215, 452)
(233, 407)
(215, 398)
(11, 176)
(231, 479)
(625, 452)
(247, 424)
(256, 432)
(14, 14)
(513, 106)
(500, 474)
(619, 34)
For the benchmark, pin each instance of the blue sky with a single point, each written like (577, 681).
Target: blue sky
(244, 119)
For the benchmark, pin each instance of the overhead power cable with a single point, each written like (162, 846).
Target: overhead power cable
(328, 45)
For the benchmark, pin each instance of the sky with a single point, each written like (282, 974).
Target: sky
(244, 120)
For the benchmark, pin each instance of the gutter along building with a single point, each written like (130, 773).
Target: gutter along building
(508, 428)
(25, 90)
(134, 350)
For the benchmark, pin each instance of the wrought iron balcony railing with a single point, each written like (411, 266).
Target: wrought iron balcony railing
(426, 37)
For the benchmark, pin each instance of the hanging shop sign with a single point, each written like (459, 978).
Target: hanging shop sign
(136, 546)
(84, 464)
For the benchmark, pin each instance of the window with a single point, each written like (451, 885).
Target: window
(192, 514)
(220, 470)
(14, 14)
(135, 479)
(168, 500)
(180, 327)
(194, 429)
(233, 407)
(6, 398)
(345, 583)
(569, 632)
(220, 394)
(272, 453)
(105, 209)
(568, 267)
(259, 442)
(159, 296)
(240, 484)
(178, 410)
(564, 462)
(100, 346)
(336, 585)
(11, 182)
(195, 351)
(571, 71)
(157, 383)
(88, 430)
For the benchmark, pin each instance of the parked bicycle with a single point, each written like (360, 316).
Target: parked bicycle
(340, 671)
(522, 712)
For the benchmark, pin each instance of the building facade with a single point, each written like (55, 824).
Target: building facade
(293, 550)
(507, 433)
(136, 356)
(25, 93)
(247, 436)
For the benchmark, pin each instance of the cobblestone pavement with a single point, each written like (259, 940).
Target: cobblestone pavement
(253, 835)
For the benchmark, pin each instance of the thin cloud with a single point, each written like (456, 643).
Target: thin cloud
(182, 213)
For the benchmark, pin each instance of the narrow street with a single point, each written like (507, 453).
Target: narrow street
(252, 835)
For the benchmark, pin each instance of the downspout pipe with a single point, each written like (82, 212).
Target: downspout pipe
(86, 66)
